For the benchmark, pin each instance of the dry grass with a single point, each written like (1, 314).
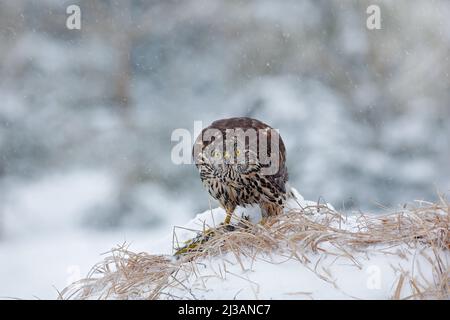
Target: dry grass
(296, 235)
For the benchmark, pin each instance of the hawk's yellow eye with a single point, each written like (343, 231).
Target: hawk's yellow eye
(238, 152)
(226, 155)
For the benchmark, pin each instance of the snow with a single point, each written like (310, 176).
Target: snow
(31, 206)
(279, 277)
(373, 272)
(46, 243)
(213, 217)
(363, 124)
(53, 260)
(336, 99)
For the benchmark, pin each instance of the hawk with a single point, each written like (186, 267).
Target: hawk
(242, 161)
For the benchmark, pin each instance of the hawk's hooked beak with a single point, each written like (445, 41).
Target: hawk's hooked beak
(226, 158)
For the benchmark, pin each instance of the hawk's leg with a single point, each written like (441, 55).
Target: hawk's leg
(227, 223)
(228, 217)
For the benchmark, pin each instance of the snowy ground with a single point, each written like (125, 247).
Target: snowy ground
(371, 272)
(278, 277)
(333, 270)
(364, 115)
(36, 267)
(44, 246)
(42, 252)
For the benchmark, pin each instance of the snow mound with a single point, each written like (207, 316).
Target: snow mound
(213, 217)
(310, 252)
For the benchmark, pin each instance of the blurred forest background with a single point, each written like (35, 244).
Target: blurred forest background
(86, 115)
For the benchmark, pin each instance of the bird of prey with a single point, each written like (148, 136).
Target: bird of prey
(242, 161)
